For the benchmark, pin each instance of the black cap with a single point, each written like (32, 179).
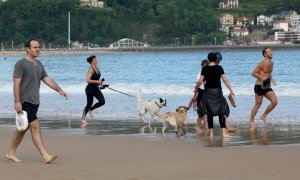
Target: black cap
(219, 56)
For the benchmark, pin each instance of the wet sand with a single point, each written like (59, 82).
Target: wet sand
(139, 157)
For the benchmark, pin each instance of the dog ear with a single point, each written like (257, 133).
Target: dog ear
(161, 100)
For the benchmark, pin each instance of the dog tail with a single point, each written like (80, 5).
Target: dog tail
(139, 94)
(165, 116)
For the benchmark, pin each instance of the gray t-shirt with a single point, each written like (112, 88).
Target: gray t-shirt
(31, 75)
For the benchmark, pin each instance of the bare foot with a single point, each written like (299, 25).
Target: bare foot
(211, 133)
(83, 121)
(197, 128)
(264, 120)
(252, 126)
(12, 158)
(226, 135)
(231, 130)
(91, 114)
(51, 159)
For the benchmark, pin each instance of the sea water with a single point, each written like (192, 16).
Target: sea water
(168, 75)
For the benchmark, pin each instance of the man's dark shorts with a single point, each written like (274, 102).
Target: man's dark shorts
(31, 110)
(259, 91)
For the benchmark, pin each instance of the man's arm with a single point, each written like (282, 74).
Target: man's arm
(17, 87)
(52, 84)
(272, 80)
(256, 71)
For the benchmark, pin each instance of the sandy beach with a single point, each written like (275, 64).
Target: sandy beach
(141, 157)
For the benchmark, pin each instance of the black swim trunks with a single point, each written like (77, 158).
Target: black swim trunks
(259, 91)
(31, 110)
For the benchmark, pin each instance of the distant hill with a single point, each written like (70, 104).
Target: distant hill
(157, 22)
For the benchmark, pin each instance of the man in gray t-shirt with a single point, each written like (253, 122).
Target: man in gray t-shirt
(28, 74)
(31, 75)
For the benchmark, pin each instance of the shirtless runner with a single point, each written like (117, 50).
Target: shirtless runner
(262, 88)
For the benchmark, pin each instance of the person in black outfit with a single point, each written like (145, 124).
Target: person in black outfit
(92, 89)
(213, 102)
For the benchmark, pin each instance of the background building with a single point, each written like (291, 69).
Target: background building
(226, 21)
(92, 3)
(127, 43)
(287, 36)
(264, 20)
(281, 25)
(229, 4)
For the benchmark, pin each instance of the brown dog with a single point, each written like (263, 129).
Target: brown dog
(176, 119)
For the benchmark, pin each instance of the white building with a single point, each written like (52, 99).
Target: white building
(240, 32)
(128, 43)
(243, 21)
(92, 3)
(295, 23)
(287, 36)
(229, 4)
(281, 25)
(264, 20)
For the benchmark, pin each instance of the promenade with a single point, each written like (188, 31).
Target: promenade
(150, 49)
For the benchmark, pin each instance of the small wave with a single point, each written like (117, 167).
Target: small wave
(281, 89)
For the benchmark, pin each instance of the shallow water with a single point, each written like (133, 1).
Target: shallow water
(271, 134)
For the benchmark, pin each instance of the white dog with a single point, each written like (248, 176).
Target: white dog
(152, 106)
(178, 120)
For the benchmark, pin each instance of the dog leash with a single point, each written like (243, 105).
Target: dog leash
(122, 92)
(126, 93)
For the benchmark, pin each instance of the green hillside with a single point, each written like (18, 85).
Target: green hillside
(157, 22)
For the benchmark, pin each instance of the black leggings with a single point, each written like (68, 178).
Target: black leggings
(210, 121)
(90, 97)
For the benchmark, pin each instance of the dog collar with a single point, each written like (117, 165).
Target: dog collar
(158, 105)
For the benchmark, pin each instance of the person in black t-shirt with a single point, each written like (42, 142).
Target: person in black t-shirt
(213, 102)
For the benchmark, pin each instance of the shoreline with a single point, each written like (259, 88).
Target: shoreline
(133, 158)
(151, 49)
(271, 135)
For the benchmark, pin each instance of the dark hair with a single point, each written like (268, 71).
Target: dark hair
(204, 62)
(28, 42)
(212, 57)
(264, 51)
(90, 59)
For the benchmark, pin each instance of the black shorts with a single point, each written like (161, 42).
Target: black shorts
(259, 91)
(31, 110)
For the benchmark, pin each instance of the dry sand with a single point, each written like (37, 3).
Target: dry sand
(143, 158)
